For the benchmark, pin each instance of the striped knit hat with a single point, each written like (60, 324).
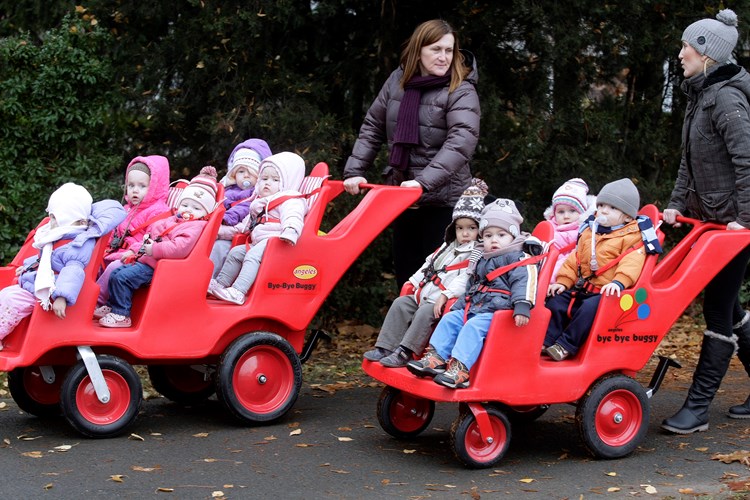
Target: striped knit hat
(573, 192)
(468, 206)
(203, 189)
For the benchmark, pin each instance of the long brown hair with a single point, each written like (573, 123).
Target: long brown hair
(425, 34)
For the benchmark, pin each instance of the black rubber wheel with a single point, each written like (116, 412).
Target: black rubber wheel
(181, 383)
(259, 377)
(468, 445)
(86, 413)
(33, 394)
(612, 418)
(403, 415)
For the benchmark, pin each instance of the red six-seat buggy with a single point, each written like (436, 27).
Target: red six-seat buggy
(511, 382)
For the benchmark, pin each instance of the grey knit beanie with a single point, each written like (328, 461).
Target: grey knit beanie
(621, 194)
(502, 213)
(715, 38)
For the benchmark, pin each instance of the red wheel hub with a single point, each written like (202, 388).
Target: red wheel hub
(95, 411)
(39, 390)
(408, 413)
(482, 450)
(263, 379)
(618, 418)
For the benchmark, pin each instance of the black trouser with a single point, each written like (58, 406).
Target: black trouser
(416, 234)
(721, 305)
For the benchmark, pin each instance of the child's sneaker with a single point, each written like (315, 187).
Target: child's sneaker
(214, 285)
(397, 358)
(430, 365)
(102, 311)
(557, 352)
(455, 377)
(113, 320)
(231, 294)
(376, 354)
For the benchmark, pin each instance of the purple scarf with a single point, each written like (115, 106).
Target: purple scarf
(407, 122)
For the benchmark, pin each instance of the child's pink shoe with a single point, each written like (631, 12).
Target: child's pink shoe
(231, 294)
(102, 311)
(113, 320)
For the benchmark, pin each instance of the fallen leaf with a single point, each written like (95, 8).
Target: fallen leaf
(703, 448)
(154, 434)
(3, 405)
(302, 445)
(210, 460)
(613, 489)
(741, 456)
(345, 429)
(408, 452)
(649, 489)
(165, 490)
(345, 439)
(201, 435)
(118, 478)
(48, 486)
(296, 432)
(217, 494)
(685, 491)
(136, 437)
(63, 447)
(385, 481)
(138, 468)
(33, 454)
(527, 480)
(612, 473)
(24, 437)
(269, 438)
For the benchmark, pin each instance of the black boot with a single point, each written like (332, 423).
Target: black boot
(716, 353)
(742, 330)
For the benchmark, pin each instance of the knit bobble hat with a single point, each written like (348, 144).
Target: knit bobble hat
(502, 213)
(468, 206)
(245, 157)
(621, 194)
(69, 204)
(574, 192)
(203, 189)
(715, 38)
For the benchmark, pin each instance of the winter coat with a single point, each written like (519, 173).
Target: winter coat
(152, 205)
(454, 281)
(69, 261)
(520, 283)
(608, 246)
(565, 235)
(173, 237)
(713, 181)
(448, 135)
(235, 214)
(287, 218)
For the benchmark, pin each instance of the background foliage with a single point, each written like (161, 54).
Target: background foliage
(568, 88)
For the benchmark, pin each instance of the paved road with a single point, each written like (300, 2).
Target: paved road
(200, 452)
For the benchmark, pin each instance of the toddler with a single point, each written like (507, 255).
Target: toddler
(276, 210)
(411, 318)
(146, 190)
(608, 258)
(55, 277)
(503, 280)
(571, 205)
(170, 238)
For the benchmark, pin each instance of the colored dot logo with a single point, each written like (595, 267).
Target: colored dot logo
(634, 307)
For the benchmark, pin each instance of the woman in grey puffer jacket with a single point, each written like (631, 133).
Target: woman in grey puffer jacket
(713, 183)
(427, 112)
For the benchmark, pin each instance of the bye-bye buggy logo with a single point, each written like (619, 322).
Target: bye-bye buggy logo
(305, 272)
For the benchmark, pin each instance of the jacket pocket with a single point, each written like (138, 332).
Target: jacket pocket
(720, 206)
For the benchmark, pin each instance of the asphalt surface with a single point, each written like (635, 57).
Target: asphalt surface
(331, 446)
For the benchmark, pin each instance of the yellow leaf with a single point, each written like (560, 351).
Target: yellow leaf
(33, 454)
(703, 448)
(138, 468)
(201, 435)
(217, 494)
(611, 473)
(613, 489)
(165, 490)
(345, 439)
(210, 460)
(135, 437)
(118, 478)
(48, 486)
(527, 480)
(296, 432)
(408, 452)
(302, 445)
